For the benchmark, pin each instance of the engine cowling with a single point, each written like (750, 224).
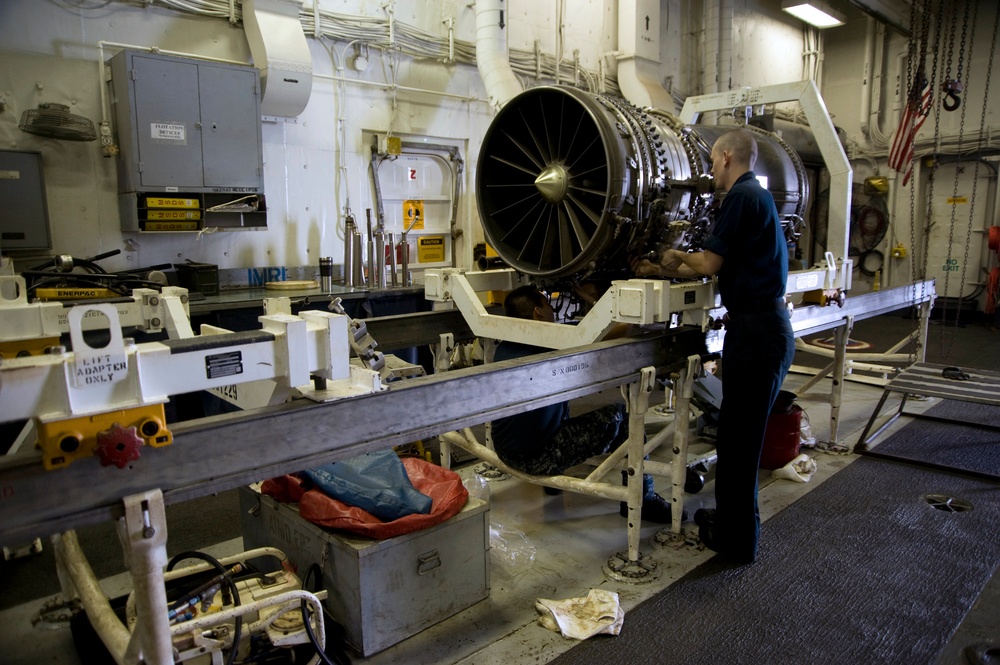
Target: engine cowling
(572, 185)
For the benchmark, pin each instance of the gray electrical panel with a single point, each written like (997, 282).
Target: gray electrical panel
(190, 144)
(24, 213)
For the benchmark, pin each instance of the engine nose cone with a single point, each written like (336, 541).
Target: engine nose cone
(552, 183)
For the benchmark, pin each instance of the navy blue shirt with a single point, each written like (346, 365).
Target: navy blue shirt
(522, 433)
(747, 234)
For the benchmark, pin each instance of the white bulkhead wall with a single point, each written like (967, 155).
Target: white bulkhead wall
(317, 163)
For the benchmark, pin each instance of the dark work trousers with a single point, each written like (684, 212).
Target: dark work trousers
(577, 439)
(756, 354)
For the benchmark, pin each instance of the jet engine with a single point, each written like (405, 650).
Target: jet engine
(572, 185)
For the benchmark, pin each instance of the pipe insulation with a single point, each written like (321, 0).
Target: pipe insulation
(639, 64)
(492, 58)
(106, 623)
(281, 53)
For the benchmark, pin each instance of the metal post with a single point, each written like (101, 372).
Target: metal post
(638, 404)
(391, 244)
(145, 542)
(350, 257)
(684, 391)
(841, 336)
(372, 274)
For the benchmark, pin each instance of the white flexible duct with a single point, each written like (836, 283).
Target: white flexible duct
(639, 64)
(106, 623)
(491, 52)
(280, 52)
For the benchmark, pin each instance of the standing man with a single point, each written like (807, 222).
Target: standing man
(748, 252)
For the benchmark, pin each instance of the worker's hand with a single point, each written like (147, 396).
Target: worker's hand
(645, 268)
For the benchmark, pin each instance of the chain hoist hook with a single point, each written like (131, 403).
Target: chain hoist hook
(951, 99)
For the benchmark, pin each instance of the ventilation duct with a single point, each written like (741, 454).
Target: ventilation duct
(639, 64)
(491, 52)
(281, 54)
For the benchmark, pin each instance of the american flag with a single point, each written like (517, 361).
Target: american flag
(918, 105)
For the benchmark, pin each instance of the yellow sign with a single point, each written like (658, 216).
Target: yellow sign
(173, 214)
(413, 210)
(430, 249)
(957, 199)
(171, 202)
(181, 225)
(72, 293)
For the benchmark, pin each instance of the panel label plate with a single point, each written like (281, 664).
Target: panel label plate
(224, 364)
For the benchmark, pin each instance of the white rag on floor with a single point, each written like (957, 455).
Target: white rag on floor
(580, 618)
(800, 469)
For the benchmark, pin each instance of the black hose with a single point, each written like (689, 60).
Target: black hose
(211, 560)
(341, 657)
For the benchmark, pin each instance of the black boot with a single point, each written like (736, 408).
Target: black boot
(654, 507)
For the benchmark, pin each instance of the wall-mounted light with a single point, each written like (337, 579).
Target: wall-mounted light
(814, 12)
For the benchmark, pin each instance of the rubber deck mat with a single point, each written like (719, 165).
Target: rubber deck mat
(863, 569)
(958, 445)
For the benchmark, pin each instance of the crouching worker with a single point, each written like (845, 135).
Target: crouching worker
(547, 441)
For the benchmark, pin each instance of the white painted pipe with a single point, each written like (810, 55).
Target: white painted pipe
(866, 76)
(106, 623)
(491, 52)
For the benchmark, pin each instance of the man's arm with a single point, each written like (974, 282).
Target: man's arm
(677, 264)
(704, 263)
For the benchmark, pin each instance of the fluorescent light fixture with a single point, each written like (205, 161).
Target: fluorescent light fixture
(814, 12)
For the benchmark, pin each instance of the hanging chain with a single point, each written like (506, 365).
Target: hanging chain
(954, 195)
(951, 39)
(982, 128)
(975, 177)
(911, 53)
(917, 48)
(952, 87)
(929, 217)
(965, 31)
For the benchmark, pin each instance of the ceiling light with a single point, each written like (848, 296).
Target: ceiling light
(814, 12)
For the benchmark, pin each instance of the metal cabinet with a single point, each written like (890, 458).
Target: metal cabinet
(187, 130)
(24, 216)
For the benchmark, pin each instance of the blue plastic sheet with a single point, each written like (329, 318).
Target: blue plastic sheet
(376, 482)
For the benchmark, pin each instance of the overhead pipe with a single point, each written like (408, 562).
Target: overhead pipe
(867, 76)
(492, 58)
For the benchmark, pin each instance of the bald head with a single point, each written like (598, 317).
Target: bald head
(733, 154)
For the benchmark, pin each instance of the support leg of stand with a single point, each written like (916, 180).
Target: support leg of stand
(862, 445)
(630, 566)
(842, 335)
(678, 467)
(144, 539)
(638, 404)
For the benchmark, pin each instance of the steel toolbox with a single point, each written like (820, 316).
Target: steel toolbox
(381, 591)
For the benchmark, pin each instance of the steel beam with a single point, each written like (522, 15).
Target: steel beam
(222, 452)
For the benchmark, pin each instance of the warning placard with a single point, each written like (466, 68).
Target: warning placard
(413, 213)
(430, 249)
